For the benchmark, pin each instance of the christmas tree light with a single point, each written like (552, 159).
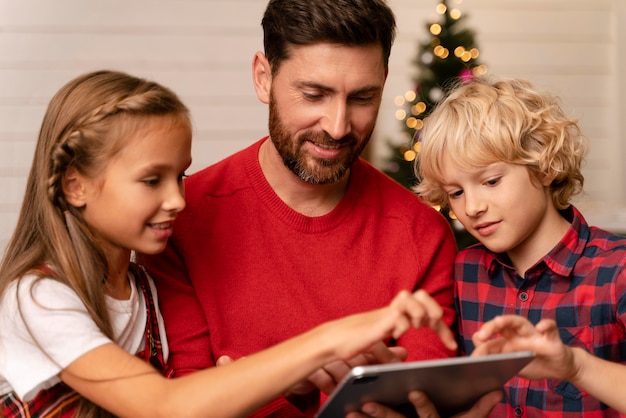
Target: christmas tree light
(448, 54)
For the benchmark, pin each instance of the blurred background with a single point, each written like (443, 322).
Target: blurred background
(203, 50)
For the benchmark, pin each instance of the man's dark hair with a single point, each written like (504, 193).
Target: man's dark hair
(345, 22)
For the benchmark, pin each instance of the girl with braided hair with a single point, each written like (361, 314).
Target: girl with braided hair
(80, 328)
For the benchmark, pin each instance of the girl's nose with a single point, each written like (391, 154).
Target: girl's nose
(175, 198)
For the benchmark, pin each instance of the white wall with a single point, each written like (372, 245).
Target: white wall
(203, 49)
(572, 48)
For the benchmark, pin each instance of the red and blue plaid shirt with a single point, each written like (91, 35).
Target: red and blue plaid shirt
(581, 284)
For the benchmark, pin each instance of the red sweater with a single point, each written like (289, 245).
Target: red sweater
(244, 271)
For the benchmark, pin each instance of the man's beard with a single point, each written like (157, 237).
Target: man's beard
(312, 169)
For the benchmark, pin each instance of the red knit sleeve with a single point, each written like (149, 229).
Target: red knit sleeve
(437, 250)
(278, 408)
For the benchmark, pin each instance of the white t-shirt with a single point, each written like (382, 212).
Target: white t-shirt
(59, 323)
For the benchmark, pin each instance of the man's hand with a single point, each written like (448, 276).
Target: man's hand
(327, 377)
(425, 408)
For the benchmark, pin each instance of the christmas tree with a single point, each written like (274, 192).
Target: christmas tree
(448, 53)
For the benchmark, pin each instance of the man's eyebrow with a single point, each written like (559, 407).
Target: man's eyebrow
(313, 85)
(321, 87)
(366, 90)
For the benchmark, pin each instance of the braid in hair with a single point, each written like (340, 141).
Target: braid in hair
(85, 126)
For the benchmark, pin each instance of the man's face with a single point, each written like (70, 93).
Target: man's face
(323, 105)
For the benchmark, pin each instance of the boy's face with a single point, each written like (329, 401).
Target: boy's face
(504, 208)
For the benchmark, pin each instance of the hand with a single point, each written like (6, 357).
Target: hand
(356, 333)
(425, 408)
(363, 333)
(510, 333)
(351, 336)
(223, 360)
(327, 377)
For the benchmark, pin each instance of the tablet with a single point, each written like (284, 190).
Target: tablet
(453, 384)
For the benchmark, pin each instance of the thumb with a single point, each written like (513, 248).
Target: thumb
(223, 360)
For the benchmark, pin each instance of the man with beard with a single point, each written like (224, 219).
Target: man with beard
(297, 229)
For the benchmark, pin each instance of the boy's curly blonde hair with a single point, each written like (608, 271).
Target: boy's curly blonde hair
(491, 120)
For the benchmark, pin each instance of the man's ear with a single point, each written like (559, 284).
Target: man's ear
(74, 188)
(262, 77)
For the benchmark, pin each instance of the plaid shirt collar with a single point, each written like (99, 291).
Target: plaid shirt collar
(563, 257)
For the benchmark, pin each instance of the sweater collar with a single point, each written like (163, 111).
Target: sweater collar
(298, 221)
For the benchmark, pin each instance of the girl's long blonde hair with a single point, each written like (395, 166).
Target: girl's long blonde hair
(87, 123)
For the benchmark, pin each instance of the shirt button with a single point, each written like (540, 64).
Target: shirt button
(518, 411)
(523, 296)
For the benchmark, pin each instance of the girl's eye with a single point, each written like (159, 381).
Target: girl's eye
(182, 176)
(455, 194)
(151, 181)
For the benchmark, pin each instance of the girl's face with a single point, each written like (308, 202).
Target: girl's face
(133, 203)
(504, 209)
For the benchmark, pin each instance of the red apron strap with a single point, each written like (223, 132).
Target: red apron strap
(153, 351)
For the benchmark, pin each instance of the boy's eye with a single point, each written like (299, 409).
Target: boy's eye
(182, 176)
(493, 182)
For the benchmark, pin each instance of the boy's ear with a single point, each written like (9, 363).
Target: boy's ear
(546, 181)
(74, 188)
